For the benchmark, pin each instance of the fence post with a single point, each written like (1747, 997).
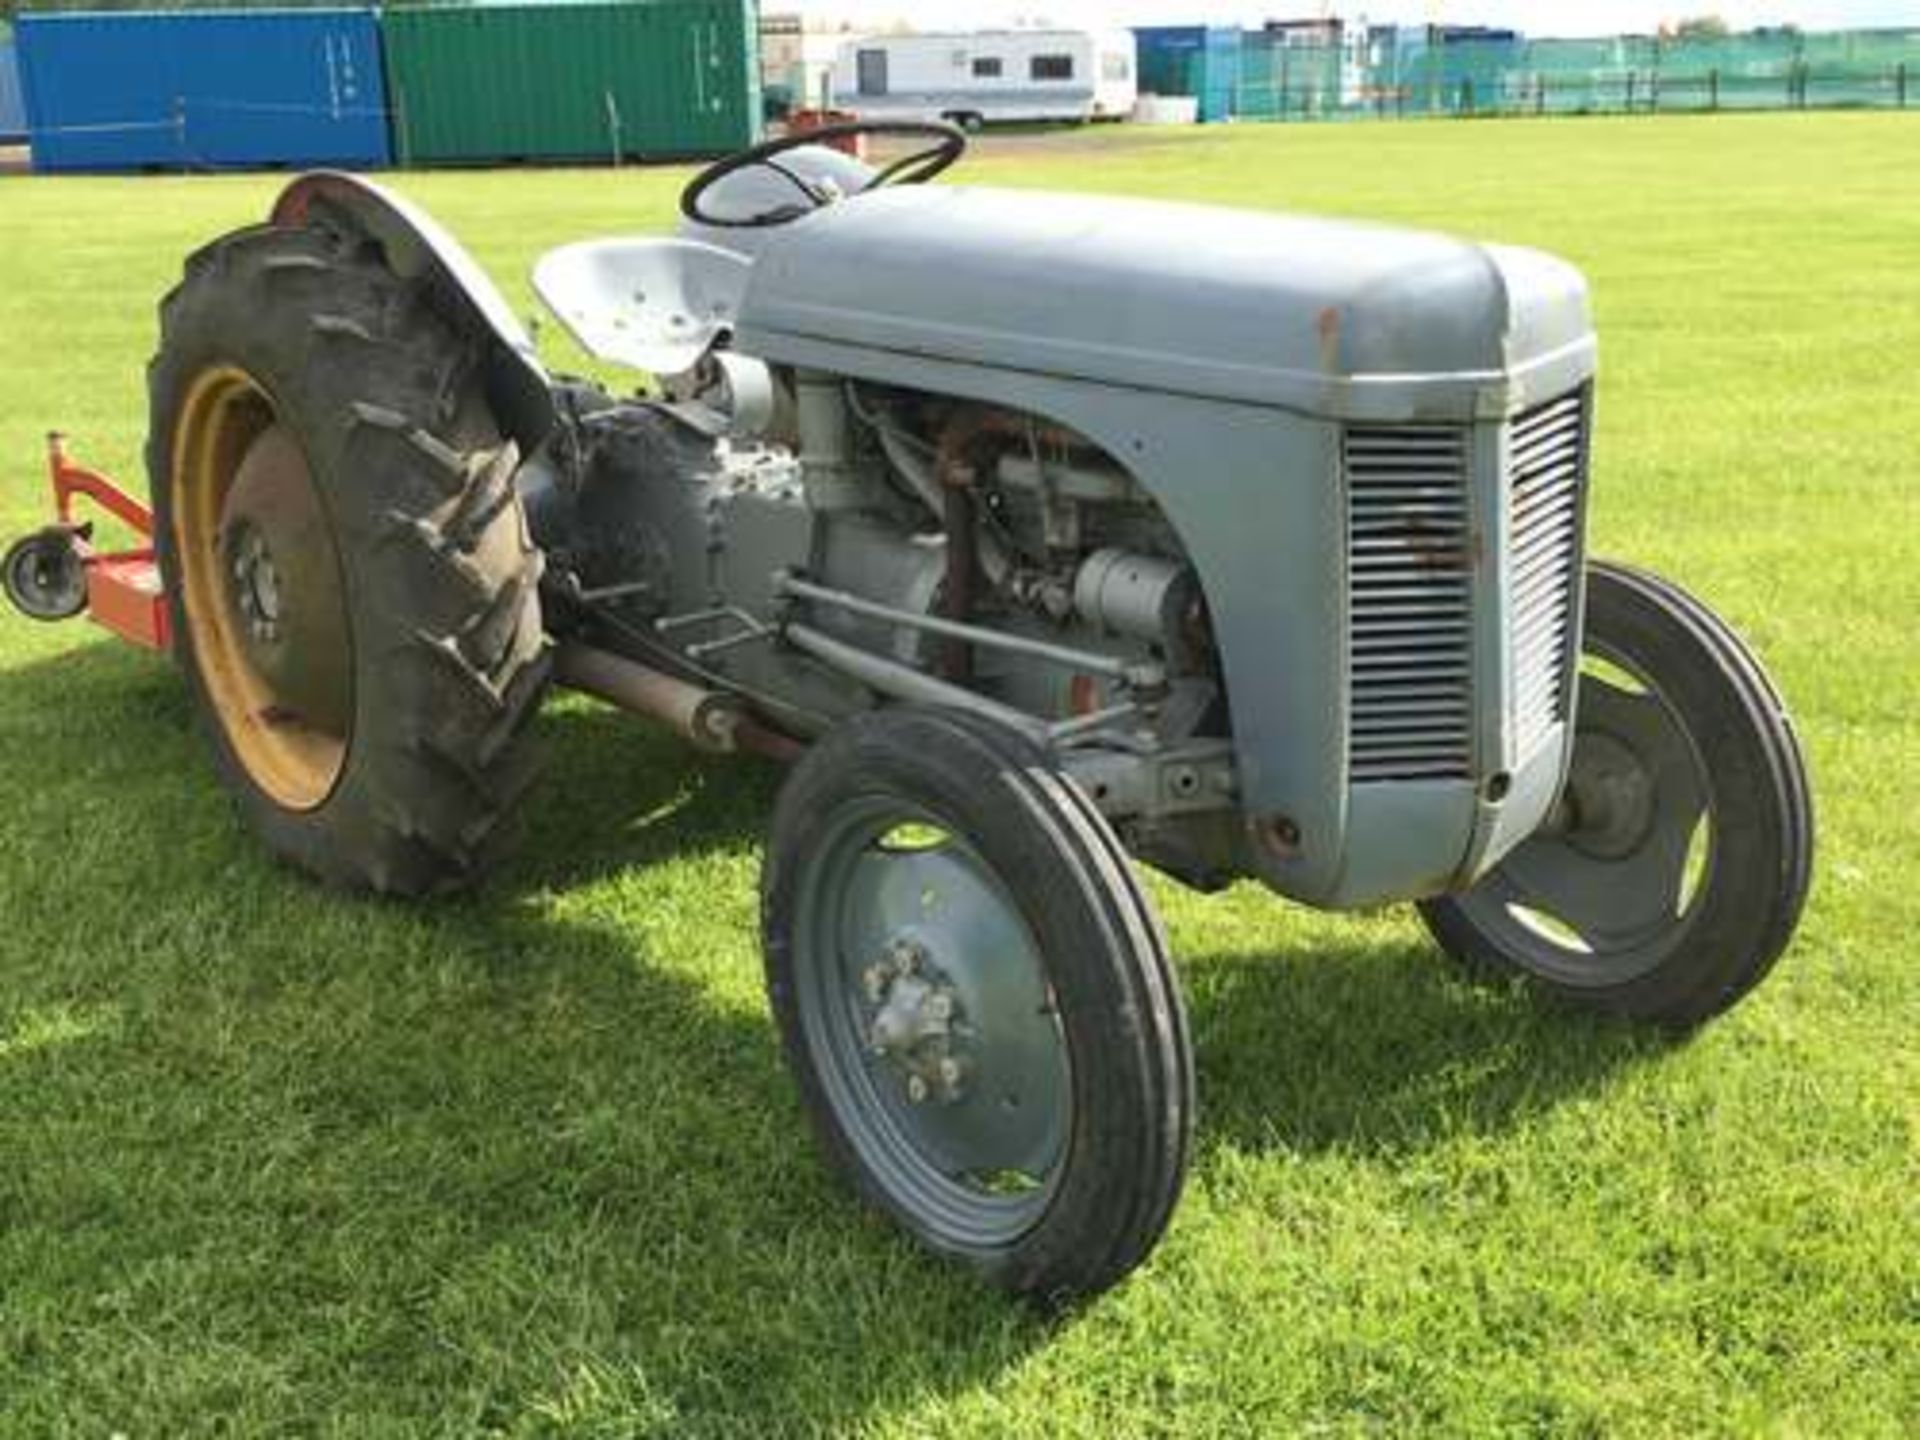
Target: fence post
(1466, 94)
(1713, 89)
(1632, 76)
(1653, 93)
(1900, 83)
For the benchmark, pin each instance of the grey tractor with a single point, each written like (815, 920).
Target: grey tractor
(1039, 534)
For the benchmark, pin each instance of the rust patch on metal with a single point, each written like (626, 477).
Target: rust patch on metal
(1434, 547)
(1278, 835)
(1327, 325)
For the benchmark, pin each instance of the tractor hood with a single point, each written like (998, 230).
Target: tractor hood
(1331, 317)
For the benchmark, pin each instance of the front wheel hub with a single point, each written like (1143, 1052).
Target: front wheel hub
(916, 1023)
(1610, 796)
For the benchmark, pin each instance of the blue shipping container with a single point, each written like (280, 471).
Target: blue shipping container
(1197, 60)
(194, 90)
(13, 114)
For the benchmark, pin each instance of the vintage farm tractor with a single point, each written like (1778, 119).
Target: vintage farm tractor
(1038, 531)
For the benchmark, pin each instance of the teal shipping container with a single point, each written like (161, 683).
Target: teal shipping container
(1197, 60)
(572, 82)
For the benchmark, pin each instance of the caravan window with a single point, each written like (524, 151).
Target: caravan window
(1052, 67)
(1116, 66)
(988, 67)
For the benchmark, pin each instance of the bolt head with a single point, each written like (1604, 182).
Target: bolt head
(949, 1072)
(940, 1007)
(916, 1089)
(905, 956)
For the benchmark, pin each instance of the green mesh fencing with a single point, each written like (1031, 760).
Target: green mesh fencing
(1418, 72)
(1282, 81)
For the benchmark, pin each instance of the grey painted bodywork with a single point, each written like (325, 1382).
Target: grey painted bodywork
(1339, 320)
(1217, 354)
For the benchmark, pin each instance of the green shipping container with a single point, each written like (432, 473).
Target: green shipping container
(586, 81)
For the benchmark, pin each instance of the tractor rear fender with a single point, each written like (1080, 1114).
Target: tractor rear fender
(518, 386)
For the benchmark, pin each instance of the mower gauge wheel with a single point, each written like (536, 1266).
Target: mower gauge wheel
(45, 575)
(947, 143)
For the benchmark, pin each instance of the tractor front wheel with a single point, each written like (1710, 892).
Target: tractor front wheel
(1675, 870)
(976, 1000)
(355, 599)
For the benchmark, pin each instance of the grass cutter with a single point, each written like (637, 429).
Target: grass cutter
(55, 573)
(1041, 534)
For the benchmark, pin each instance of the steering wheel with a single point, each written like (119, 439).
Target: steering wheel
(948, 144)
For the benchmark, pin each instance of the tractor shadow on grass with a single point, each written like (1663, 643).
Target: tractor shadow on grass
(536, 1148)
(618, 793)
(1382, 1049)
(527, 1160)
(1363, 1046)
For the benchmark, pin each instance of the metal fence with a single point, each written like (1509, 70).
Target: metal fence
(1419, 71)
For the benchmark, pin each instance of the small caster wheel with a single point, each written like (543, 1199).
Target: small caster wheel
(45, 575)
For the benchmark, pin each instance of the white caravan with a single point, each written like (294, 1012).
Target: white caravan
(989, 76)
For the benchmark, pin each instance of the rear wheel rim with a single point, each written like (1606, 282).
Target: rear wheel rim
(926, 1011)
(262, 591)
(1606, 894)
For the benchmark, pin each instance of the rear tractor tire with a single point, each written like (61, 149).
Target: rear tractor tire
(354, 593)
(1675, 872)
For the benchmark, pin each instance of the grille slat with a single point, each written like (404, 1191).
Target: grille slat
(1546, 463)
(1410, 603)
(1410, 537)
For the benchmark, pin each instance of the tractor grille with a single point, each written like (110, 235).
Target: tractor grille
(1546, 464)
(1410, 599)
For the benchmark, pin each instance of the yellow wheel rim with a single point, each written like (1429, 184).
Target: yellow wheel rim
(259, 684)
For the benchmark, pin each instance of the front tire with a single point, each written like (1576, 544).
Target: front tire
(1677, 869)
(976, 1001)
(354, 594)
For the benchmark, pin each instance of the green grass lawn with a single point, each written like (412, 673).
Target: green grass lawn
(271, 1160)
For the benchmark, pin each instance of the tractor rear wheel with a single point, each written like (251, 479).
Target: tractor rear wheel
(354, 594)
(1676, 869)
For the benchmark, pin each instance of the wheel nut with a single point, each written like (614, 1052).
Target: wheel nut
(940, 1007)
(949, 1072)
(905, 956)
(916, 1089)
(875, 980)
